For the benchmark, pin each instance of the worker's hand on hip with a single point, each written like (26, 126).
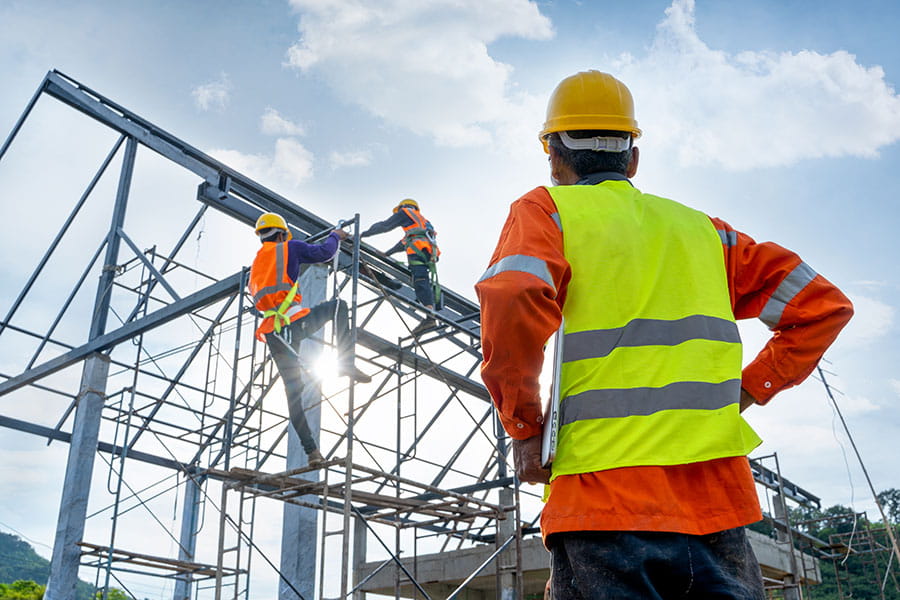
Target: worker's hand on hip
(527, 457)
(746, 400)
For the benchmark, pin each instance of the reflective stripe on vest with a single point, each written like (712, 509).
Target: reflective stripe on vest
(416, 234)
(272, 289)
(651, 367)
(282, 282)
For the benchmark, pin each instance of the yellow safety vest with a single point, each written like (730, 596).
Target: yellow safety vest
(651, 367)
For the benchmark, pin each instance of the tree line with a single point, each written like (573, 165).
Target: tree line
(851, 567)
(859, 573)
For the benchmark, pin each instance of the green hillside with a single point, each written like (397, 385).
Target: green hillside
(19, 562)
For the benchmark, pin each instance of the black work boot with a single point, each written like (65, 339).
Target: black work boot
(425, 325)
(315, 458)
(347, 370)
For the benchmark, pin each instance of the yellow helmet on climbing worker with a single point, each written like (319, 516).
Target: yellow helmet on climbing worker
(407, 202)
(590, 100)
(272, 221)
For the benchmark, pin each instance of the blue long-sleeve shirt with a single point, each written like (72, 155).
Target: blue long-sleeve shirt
(302, 253)
(398, 219)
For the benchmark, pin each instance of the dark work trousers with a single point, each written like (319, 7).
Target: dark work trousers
(607, 565)
(289, 368)
(422, 283)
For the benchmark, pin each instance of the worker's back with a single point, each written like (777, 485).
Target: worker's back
(651, 352)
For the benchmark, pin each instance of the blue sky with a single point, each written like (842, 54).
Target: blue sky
(780, 117)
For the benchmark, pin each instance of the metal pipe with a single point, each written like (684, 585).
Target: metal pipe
(15, 130)
(65, 227)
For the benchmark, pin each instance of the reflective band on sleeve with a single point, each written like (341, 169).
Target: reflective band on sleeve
(729, 238)
(647, 332)
(271, 289)
(610, 404)
(556, 219)
(525, 264)
(796, 280)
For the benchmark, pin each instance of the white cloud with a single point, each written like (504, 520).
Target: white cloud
(857, 405)
(357, 158)
(755, 109)
(213, 95)
(895, 385)
(292, 160)
(422, 66)
(289, 165)
(272, 123)
(871, 284)
(872, 319)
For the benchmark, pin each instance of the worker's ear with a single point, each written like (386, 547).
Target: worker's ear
(555, 165)
(631, 171)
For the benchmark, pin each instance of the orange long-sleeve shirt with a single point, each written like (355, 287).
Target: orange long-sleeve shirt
(521, 309)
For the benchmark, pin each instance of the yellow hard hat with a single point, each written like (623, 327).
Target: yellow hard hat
(270, 220)
(590, 100)
(407, 202)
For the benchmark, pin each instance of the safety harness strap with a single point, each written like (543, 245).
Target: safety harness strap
(280, 319)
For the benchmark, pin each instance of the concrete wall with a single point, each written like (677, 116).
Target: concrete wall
(440, 574)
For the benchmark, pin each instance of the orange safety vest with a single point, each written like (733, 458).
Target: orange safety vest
(416, 238)
(274, 293)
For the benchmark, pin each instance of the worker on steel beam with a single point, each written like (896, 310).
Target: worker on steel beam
(274, 278)
(419, 241)
(650, 486)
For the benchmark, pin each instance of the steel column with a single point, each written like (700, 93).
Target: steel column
(104, 289)
(76, 488)
(298, 530)
(187, 541)
(360, 539)
(86, 428)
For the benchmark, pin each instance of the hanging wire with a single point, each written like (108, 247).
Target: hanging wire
(889, 528)
(200, 233)
(835, 415)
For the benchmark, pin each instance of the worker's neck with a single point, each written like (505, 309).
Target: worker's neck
(562, 174)
(568, 178)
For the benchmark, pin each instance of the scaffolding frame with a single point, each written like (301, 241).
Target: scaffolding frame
(195, 409)
(872, 545)
(184, 419)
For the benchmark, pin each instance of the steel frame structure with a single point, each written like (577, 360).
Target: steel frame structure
(185, 420)
(870, 545)
(172, 397)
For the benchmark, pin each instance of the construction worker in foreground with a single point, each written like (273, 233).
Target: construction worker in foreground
(273, 284)
(650, 486)
(421, 254)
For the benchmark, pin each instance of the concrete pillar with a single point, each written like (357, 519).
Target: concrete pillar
(188, 539)
(299, 532)
(86, 428)
(77, 486)
(360, 536)
(790, 581)
(506, 561)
